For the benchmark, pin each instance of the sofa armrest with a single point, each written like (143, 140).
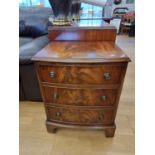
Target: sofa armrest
(28, 50)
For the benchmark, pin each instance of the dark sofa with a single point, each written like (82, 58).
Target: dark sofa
(33, 24)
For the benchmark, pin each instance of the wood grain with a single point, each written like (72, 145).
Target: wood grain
(81, 52)
(82, 35)
(81, 116)
(83, 30)
(87, 57)
(80, 74)
(79, 97)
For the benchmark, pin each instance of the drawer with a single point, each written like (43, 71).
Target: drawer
(80, 115)
(80, 97)
(103, 74)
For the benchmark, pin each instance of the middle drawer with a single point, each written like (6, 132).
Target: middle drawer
(79, 97)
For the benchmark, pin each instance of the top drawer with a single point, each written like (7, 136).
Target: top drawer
(92, 74)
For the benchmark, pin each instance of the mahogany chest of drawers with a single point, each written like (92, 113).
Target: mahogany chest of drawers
(81, 79)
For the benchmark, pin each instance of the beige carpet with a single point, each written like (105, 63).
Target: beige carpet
(34, 140)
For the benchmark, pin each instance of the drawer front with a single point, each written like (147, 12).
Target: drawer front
(80, 115)
(105, 74)
(53, 74)
(80, 97)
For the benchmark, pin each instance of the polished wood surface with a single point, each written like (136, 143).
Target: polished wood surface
(82, 31)
(79, 97)
(34, 138)
(83, 35)
(81, 52)
(86, 116)
(70, 71)
(52, 97)
(80, 74)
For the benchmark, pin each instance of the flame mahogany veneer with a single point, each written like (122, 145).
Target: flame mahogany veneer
(81, 73)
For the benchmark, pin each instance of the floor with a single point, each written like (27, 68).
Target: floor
(34, 140)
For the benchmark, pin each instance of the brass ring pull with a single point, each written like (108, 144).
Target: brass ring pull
(107, 76)
(101, 117)
(104, 98)
(58, 114)
(52, 74)
(56, 95)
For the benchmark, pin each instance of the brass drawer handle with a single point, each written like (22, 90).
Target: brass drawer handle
(101, 117)
(52, 74)
(56, 96)
(104, 98)
(58, 114)
(107, 76)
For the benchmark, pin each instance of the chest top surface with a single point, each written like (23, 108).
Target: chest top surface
(85, 41)
(81, 52)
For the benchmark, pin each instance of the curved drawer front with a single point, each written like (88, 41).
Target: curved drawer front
(105, 74)
(80, 116)
(53, 74)
(80, 97)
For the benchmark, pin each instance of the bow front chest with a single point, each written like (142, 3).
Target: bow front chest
(81, 73)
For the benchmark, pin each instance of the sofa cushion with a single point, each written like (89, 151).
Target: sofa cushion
(30, 31)
(24, 40)
(21, 26)
(33, 21)
(28, 50)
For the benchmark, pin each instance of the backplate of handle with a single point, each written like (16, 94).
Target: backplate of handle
(107, 76)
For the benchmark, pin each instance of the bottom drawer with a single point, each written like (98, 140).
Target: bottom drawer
(80, 115)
